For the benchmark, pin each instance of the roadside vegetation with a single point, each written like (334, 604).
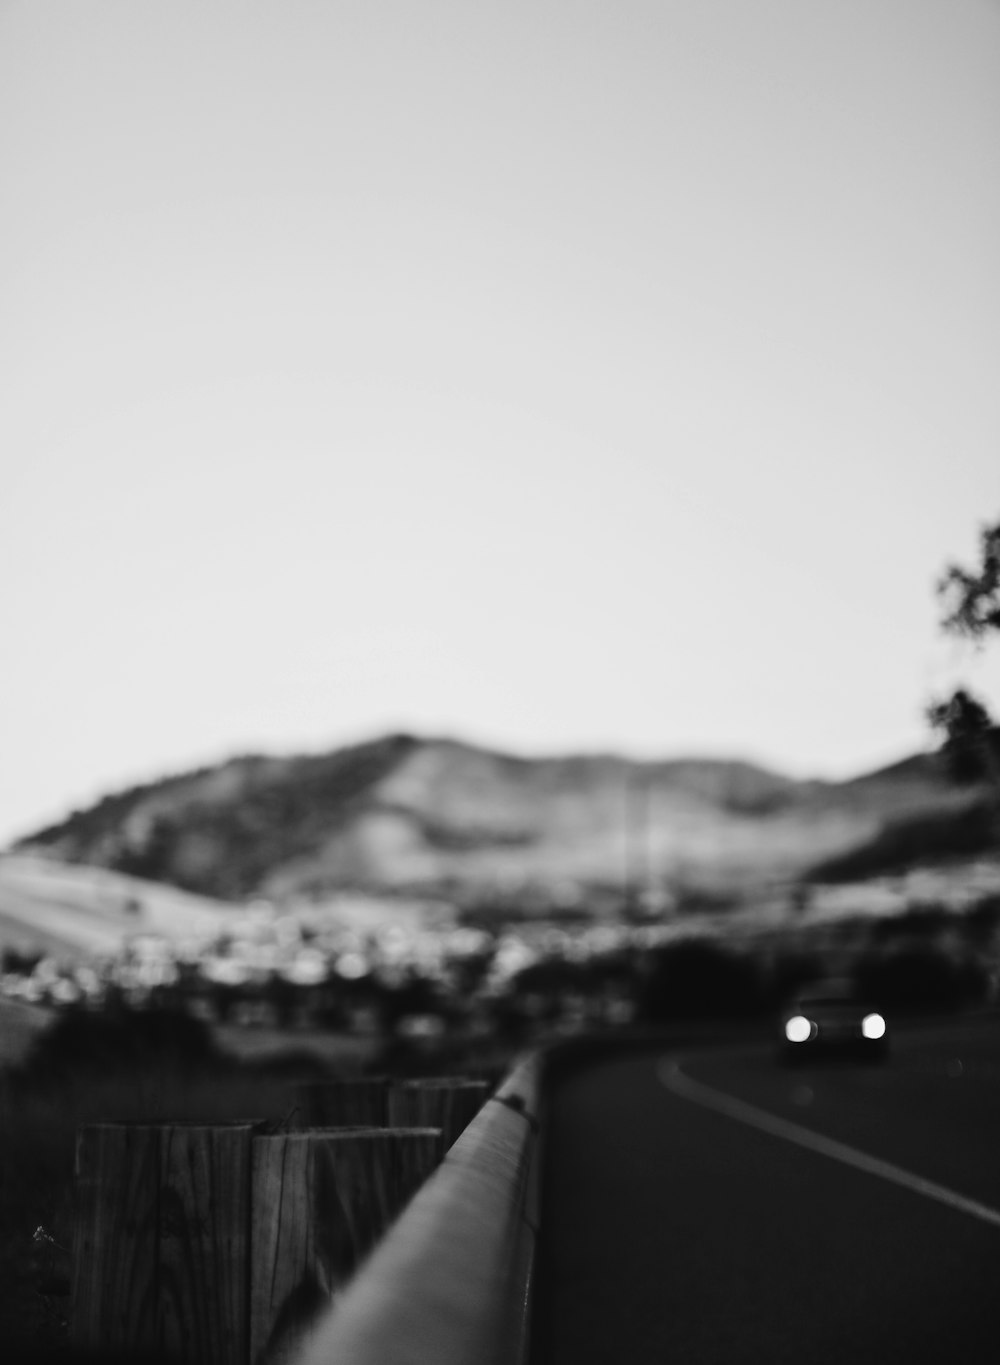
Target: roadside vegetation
(924, 962)
(154, 1065)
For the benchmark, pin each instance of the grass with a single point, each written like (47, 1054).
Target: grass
(39, 1117)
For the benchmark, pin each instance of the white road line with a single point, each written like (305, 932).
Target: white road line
(671, 1075)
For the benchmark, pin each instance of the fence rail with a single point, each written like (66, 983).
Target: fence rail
(451, 1283)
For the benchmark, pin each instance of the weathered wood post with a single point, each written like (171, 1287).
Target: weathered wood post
(446, 1102)
(218, 1244)
(346, 1101)
(161, 1240)
(321, 1199)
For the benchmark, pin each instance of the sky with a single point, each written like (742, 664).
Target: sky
(559, 376)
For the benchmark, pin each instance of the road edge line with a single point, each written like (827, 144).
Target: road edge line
(674, 1079)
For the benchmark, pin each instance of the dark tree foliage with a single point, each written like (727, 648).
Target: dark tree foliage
(920, 978)
(80, 1041)
(417, 995)
(983, 920)
(971, 601)
(971, 597)
(13, 960)
(698, 980)
(789, 972)
(970, 740)
(187, 836)
(937, 837)
(921, 923)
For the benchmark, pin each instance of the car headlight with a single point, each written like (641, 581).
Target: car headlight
(873, 1026)
(798, 1029)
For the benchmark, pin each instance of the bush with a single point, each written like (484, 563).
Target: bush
(919, 921)
(18, 963)
(920, 979)
(119, 1039)
(983, 919)
(699, 980)
(916, 840)
(789, 972)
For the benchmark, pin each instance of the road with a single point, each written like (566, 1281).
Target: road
(707, 1205)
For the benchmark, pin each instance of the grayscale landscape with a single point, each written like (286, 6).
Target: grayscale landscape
(500, 629)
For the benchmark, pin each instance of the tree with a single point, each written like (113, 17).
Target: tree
(971, 599)
(968, 734)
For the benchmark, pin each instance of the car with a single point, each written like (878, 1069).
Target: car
(828, 1019)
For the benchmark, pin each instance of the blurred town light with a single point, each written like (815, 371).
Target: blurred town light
(873, 1026)
(351, 966)
(798, 1029)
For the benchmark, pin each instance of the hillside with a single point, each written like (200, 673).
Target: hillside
(435, 816)
(84, 912)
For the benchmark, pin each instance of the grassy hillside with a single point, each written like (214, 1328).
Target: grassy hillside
(220, 830)
(441, 817)
(964, 831)
(72, 911)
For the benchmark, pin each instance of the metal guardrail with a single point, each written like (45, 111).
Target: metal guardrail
(450, 1284)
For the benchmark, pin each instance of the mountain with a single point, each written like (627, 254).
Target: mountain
(440, 817)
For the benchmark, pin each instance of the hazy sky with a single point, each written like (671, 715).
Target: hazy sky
(557, 375)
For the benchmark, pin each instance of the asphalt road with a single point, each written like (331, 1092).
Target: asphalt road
(709, 1205)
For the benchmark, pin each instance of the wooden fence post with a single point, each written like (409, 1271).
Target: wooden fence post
(321, 1199)
(161, 1243)
(446, 1102)
(217, 1243)
(115, 1236)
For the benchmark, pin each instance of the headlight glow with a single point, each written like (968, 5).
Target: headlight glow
(873, 1026)
(798, 1029)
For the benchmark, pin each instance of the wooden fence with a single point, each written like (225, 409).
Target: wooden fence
(229, 1243)
(451, 1283)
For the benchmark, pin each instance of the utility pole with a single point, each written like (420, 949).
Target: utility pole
(638, 855)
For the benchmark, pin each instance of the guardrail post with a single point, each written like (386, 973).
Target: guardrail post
(161, 1241)
(446, 1102)
(452, 1280)
(321, 1199)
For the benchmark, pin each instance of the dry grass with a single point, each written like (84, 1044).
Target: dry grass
(38, 1124)
(73, 912)
(20, 1025)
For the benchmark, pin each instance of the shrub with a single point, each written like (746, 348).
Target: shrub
(699, 980)
(788, 973)
(20, 964)
(919, 921)
(118, 1039)
(983, 919)
(915, 840)
(918, 978)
